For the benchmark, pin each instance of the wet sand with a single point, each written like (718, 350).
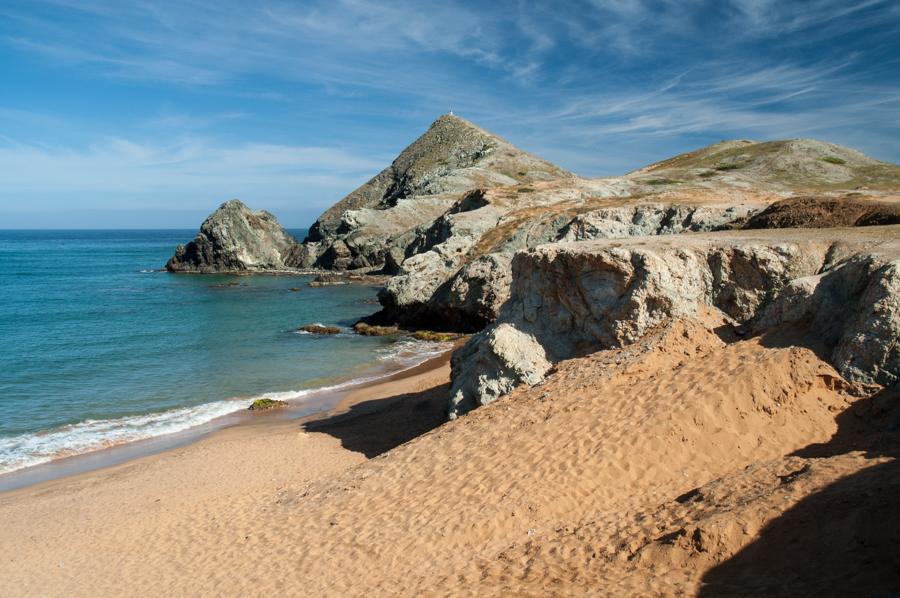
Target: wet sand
(314, 406)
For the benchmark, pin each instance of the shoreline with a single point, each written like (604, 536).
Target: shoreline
(329, 402)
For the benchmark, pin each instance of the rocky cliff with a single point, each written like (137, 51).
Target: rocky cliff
(454, 272)
(570, 299)
(235, 239)
(462, 281)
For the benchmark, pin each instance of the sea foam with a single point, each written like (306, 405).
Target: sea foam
(27, 450)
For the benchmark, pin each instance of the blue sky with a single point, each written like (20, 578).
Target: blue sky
(150, 114)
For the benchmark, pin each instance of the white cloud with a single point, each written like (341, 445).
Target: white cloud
(590, 75)
(190, 173)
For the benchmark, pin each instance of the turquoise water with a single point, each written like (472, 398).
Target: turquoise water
(98, 347)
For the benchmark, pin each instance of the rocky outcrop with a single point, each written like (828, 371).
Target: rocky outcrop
(454, 272)
(451, 285)
(854, 308)
(266, 405)
(447, 216)
(452, 158)
(235, 239)
(650, 220)
(569, 299)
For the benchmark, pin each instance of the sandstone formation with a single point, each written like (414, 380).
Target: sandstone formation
(235, 239)
(570, 299)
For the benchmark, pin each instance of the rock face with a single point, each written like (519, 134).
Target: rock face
(235, 239)
(427, 178)
(446, 218)
(855, 308)
(569, 299)
(452, 285)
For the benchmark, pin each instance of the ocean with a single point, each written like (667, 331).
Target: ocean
(99, 346)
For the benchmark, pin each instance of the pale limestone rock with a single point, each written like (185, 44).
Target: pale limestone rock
(504, 357)
(235, 239)
(855, 310)
(467, 292)
(576, 298)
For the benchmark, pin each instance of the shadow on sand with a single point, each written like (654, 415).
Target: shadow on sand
(375, 427)
(843, 540)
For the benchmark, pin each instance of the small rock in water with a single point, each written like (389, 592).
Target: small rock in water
(227, 285)
(438, 337)
(318, 283)
(319, 329)
(266, 404)
(369, 330)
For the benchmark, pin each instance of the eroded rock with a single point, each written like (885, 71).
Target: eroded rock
(570, 299)
(451, 284)
(235, 239)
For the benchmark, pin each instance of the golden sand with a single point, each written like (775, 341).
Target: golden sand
(683, 465)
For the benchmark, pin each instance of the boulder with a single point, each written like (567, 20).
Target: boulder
(266, 405)
(319, 329)
(503, 357)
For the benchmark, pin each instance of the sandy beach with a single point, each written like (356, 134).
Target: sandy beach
(645, 471)
(244, 463)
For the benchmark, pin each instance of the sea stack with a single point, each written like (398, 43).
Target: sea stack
(235, 239)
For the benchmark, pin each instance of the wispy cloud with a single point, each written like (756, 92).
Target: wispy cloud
(193, 172)
(600, 85)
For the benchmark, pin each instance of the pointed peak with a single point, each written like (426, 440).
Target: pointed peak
(451, 120)
(453, 156)
(450, 116)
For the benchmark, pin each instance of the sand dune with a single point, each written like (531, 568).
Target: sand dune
(677, 466)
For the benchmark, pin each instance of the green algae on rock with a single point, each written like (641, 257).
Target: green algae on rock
(320, 329)
(266, 404)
